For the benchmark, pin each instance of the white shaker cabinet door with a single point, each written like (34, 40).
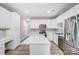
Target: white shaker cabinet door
(2, 49)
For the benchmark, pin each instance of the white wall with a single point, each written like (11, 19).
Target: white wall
(24, 27)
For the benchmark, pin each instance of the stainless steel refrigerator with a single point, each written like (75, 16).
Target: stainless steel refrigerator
(71, 35)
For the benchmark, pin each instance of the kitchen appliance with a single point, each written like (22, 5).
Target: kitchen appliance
(71, 32)
(42, 29)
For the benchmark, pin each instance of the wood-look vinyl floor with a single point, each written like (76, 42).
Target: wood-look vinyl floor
(24, 50)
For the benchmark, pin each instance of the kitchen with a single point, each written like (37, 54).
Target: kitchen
(39, 28)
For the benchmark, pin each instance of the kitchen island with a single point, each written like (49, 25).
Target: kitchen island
(38, 44)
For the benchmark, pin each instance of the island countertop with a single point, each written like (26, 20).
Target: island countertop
(36, 39)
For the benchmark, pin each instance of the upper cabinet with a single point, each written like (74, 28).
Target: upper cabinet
(8, 19)
(50, 23)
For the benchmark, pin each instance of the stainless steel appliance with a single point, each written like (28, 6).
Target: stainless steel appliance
(42, 29)
(71, 32)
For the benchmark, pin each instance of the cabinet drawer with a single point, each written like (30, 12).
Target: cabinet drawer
(1, 46)
(2, 52)
(2, 49)
(1, 43)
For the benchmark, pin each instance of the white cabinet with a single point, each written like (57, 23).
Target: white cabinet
(55, 39)
(15, 34)
(2, 50)
(52, 36)
(49, 35)
(2, 44)
(10, 20)
(14, 31)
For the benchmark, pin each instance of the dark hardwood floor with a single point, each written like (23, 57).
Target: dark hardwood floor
(24, 50)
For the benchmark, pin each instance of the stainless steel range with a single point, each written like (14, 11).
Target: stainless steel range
(42, 29)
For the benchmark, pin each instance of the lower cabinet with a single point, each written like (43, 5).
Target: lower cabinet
(61, 42)
(2, 51)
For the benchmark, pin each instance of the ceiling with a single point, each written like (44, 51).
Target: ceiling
(39, 10)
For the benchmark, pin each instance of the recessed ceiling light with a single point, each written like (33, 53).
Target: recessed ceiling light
(26, 12)
(48, 11)
(28, 19)
(52, 10)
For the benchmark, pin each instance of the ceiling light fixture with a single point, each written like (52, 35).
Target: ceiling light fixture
(28, 19)
(26, 12)
(52, 10)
